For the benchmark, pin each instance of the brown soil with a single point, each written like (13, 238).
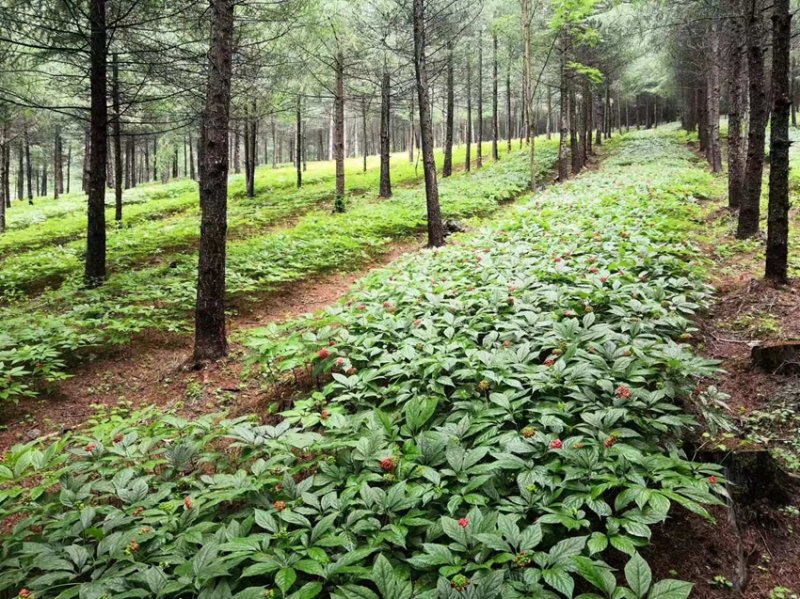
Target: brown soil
(152, 370)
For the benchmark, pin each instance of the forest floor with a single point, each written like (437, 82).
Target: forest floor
(152, 370)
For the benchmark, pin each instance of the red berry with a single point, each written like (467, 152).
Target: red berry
(610, 441)
(549, 362)
(25, 594)
(323, 353)
(90, 447)
(623, 392)
(593, 270)
(187, 503)
(463, 522)
(340, 362)
(279, 505)
(712, 479)
(556, 444)
(388, 465)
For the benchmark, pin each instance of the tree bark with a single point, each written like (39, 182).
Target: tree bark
(509, 122)
(778, 212)
(299, 141)
(749, 211)
(365, 149)
(495, 114)
(563, 153)
(21, 171)
(574, 149)
(435, 229)
(210, 342)
(338, 133)
(412, 138)
(714, 93)
(28, 166)
(737, 146)
(192, 171)
(468, 132)
(237, 140)
(58, 165)
(479, 149)
(117, 132)
(95, 267)
(447, 168)
(528, 92)
(385, 177)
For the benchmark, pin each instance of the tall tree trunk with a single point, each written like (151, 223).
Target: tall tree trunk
(435, 228)
(95, 270)
(237, 140)
(210, 341)
(563, 153)
(44, 178)
(749, 210)
(468, 132)
(447, 168)
(28, 165)
(385, 179)
(3, 179)
(702, 117)
(338, 126)
(58, 164)
(574, 149)
(365, 150)
(69, 166)
(495, 114)
(528, 91)
(192, 171)
(737, 144)
(252, 143)
(412, 138)
(21, 171)
(714, 93)
(586, 134)
(299, 142)
(509, 115)
(479, 149)
(117, 132)
(548, 132)
(778, 212)
(274, 145)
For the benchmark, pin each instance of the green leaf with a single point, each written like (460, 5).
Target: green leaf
(560, 580)
(670, 589)
(307, 591)
(285, 579)
(638, 575)
(390, 585)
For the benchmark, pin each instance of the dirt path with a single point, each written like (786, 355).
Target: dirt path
(151, 371)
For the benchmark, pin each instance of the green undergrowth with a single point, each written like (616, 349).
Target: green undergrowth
(71, 320)
(160, 220)
(496, 418)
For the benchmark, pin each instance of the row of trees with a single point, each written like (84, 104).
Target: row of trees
(735, 56)
(226, 82)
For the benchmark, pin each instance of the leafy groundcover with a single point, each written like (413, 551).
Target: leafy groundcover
(497, 418)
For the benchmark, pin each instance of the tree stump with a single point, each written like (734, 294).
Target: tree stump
(780, 357)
